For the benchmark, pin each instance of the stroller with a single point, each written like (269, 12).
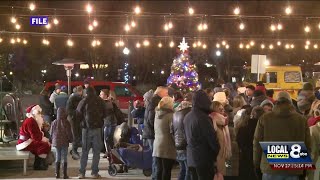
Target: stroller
(126, 156)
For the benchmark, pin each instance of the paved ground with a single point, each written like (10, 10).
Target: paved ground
(11, 170)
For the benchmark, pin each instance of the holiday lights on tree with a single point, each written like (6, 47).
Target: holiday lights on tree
(183, 74)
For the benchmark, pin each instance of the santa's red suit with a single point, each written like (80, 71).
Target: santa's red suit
(31, 138)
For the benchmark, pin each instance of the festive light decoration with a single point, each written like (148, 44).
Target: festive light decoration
(18, 40)
(273, 27)
(90, 27)
(223, 42)
(126, 51)
(95, 23)
(183, 74)
(1, 40)
(199, 43)
(127, 27)
(308, 42)
(236, 11)
(32, 6)
(146, 43)
(288, 10)
(307, 29)
(89, 8)
(18, 26)
(227, 46)
(218, 53)
(262, 46)
(202, 27)
(279, 43)
(292, 46)
(13, 20)
(306, 46)
(271, 46)
(48, 26)
(12, 41)
(138, 45)
(95, 43)
(55, 21)
(45, 42)
(137, 10)
(267, 63)
(126, 73)
(247, 46)
(171, 44)
(252, 43)
(218, 45)
(121, 43)
(133, 23)
(191, 11)
(240, 45)
(24, 41)
(279, 26)
(287, 46)
(241, 26)
(204, 46)
(160, 45)
(69, 43)
(194, 45)
(315, 46)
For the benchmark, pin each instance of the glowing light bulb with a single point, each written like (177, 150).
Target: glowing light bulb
(194, 45)
(308, 42)
(170, 25)
(204, 46)
(93, 43)
(247, 46)
(218, 45)
(24, 41)
(288, 10)
(227, 46)
(146, 43)
(315, 46)
(55, 21)
(160, 45)
(116, 44)
(48, 26)
(127, 27)
(273, 27)
(236, 11)
(240, 45)
(279, 43)
(292, 46)
(252, 43)
(18, 26)
(306, 47)
(262, 46)
(18, 40)
(89, 8)
(319, 25)
(98, 43)
(69, 42)
(166, 27)
(138, 45)
(95, 23)
(199, 43)
(13, 20)
(307, 29)
(121, 43)
(200, 28)
(267, 63)
(137, 10)
(205, 26)
(90, 27)
(133, 24)
(32, 6)
(287, 46)
(279, 26)
(191, 11)
(171, 44)
(241, 26)
(12, 41)
(223, 43)
(1, 40)
(270, 46)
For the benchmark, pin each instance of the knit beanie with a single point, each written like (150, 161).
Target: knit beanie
(308, 87)
(284, 94)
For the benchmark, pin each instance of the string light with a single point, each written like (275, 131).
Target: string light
(240, 45)
(306, 47)
(287, 46)
(223, 43)
(170, 25)
(199, 43)
(236, 11)
(241, 26)
(69, 43)
(315, 46)
(90, 27)
(18, 26)
(218, 45)
(262, 46)
(194, 45)
(292, 46)
(89, 8)
(12, 41)
(13, 20)
(204, 26)
(308, 42)
(252, 43)
(191, 11)
(24, 41)
(307, 29)
(279, 26)
(279, 43)
(116, 44)
(270, 46)
(160, 45)
(227, 46)
(288, 10)
(121, 43)
(1, 40)
(166, 27)
(247, 46)
(55, 21)
(138, 45)
(32, 6)
(146, 43)
(45, 42)
(273, 27)
(95, 23)
(127, 27)
(133, 24)
(171, 44)
(267, 62)
(137, 10)
(319, 25)
(18, 40)
(204, 46)
(48, 26)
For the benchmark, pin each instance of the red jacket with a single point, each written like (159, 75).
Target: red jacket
(29, 132)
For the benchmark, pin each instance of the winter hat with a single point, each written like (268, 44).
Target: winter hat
(308, 87)
(258, 93)
(220, 97)
(148, 95)
(265, 102)
(32, 110)
(57, 86)
(241, 90)
(166, 103)
(284, 94)
(261, 88)
(63, 88)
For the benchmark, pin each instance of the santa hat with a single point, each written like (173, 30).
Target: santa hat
(32, 110)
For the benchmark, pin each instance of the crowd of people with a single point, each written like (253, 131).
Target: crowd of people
(211, 133)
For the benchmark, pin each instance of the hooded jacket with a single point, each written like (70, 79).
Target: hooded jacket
(282, 124)
(61, 130)
(178, 128)
(202, 144)
(256, 101)
(148, 131)
(163, 141)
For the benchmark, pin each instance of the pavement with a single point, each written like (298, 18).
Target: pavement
(13, 170)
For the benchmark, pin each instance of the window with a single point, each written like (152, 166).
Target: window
(292, 76)
(271, 77)
(122, 91)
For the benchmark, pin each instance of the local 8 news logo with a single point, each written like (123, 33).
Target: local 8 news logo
(287, 155)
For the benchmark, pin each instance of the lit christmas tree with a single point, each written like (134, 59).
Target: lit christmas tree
(183, 74)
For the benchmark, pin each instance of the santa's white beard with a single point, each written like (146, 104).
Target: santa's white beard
(39, 119)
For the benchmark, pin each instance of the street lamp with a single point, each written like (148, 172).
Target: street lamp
(68, 66)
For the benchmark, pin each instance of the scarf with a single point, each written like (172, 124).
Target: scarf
(219, 121)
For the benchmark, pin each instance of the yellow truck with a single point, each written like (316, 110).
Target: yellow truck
(279, 78)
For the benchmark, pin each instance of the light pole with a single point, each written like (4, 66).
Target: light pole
(68, 64)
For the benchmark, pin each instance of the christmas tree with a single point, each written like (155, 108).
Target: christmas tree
(183, 76)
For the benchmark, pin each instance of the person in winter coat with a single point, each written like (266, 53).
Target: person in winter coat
(177, 98)
(278, 125)
(61, 99)
(238, 103)
(315, 149)
(72, 104)
(220, 125)
(245, 132)
(61, 137)
(258, 98)
(314, 113)
(267, 105)
(249, 93)
(147, 97)
(305, 99)
(202, 144)
(91, 111)
(148, 132)
(138, 114)
(46, 106)
(164, 150)
(180, 138)
(222, 98)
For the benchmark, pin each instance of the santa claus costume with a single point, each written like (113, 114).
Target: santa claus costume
(32, 139)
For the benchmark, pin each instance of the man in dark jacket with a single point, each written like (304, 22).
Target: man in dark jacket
(91, 111)
(258, 98)
(61, 99)
(148, 131)
(72, 104)
(179, 136)
(202, 144)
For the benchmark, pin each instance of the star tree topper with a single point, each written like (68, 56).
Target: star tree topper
(183, 45)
